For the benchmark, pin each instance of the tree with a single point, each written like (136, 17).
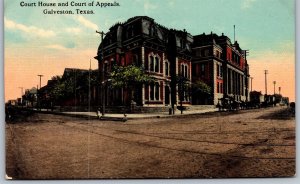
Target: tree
(201, 87)
(30, 96)
(183, 88)
(128, 77)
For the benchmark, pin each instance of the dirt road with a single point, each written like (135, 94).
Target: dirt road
(252, 143)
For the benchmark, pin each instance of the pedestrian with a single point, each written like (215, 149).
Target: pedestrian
(98, 113)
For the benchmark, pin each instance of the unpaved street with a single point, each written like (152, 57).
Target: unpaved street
(251, 143)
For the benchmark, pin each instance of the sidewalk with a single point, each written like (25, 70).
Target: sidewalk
(109, 116)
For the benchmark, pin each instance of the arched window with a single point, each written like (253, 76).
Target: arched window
(156, 64)
(157, 91)
(167, 68)
(151, 63)
(152, 30)
(152, 91)
(184, 70)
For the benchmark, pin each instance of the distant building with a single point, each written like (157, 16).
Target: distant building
(222, 65)
(76, 87)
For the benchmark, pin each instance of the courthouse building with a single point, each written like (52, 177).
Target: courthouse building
(165, 53)
(161, 51)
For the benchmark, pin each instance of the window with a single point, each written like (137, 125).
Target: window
(184, 70)
(221, 87)
(152, 91)
(218, 87)
(151, 63)
(206, 52)
(219, 71)
(156, 64)
(202, 69)
(157, 91)
(152, 31)
(167, 68)
(135, 59)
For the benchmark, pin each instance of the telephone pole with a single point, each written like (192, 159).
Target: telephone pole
(103, 81)
(279, 89)
(274, 82)
(38, 91)
(40, 79)
(266, 72)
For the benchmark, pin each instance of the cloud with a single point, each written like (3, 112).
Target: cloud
(149, 6)
(9, 24)
(73, 30)
(171, 3)
(87, 23)
(56, 47)
(247, 4)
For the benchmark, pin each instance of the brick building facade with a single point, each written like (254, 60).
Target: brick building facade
(165, 53)
(162, 52)
(222, 65)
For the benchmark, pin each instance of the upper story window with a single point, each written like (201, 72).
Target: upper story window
(152, 31)
(154, 63)
(202, 70)
(218, 54)
(151, 63)
(206, 52)
(219, 71)
(167, 68)
(184, 70)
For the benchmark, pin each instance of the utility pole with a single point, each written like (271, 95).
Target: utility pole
(274, 82)
(279, 89)
(102, 82)
(266, 72)
(38, 90)
(90, 87)
(40, 79)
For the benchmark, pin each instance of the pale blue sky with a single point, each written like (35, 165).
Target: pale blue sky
(260, 24)
(265, 27)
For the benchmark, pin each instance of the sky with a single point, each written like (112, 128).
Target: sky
(37, 43)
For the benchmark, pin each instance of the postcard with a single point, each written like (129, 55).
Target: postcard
(147, 89)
